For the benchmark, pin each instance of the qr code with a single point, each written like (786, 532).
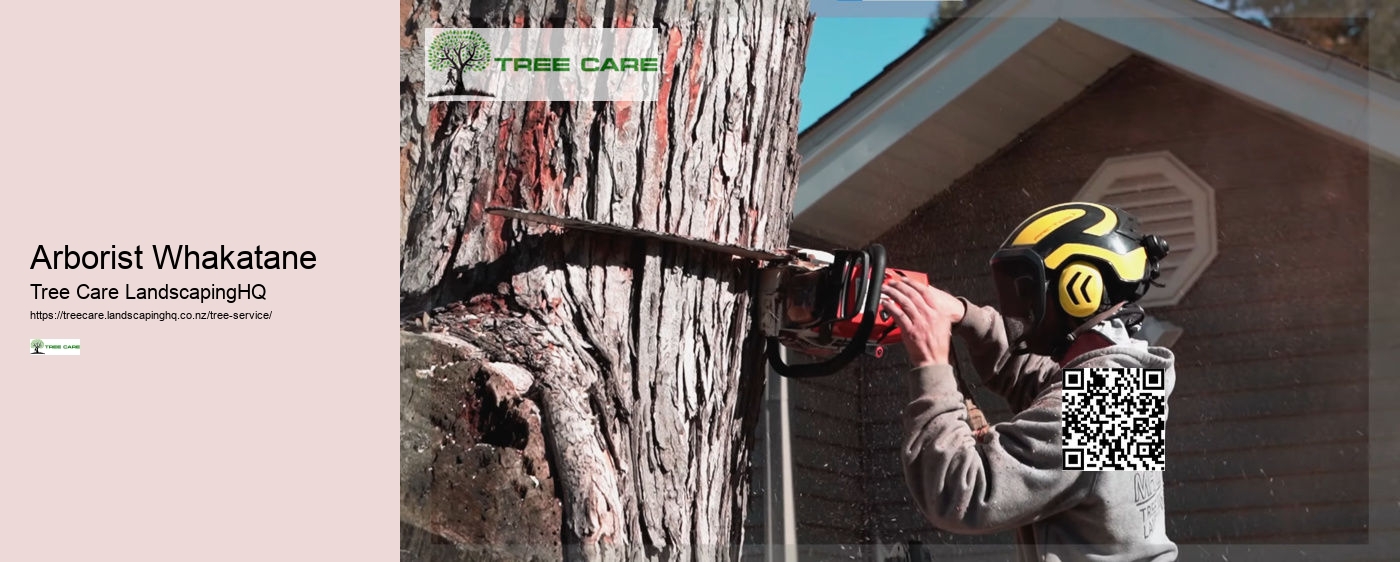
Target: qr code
(1114, 419)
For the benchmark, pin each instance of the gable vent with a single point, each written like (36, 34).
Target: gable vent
(1171, 202)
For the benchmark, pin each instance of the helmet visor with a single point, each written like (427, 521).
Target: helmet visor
(1021, 285)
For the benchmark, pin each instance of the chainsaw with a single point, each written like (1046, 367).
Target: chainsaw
(822, 304)
(828, 306)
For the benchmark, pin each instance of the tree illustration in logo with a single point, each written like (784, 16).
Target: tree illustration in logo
(36, 344)
(457, 51)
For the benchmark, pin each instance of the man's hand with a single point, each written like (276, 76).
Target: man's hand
(926, 316)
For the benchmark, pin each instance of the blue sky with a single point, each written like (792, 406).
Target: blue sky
(845, 53)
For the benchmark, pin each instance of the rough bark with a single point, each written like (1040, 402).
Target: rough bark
(644, 366)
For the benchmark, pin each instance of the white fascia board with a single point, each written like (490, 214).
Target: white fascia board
(1381, 129)
(1233, 55)
(906, 97)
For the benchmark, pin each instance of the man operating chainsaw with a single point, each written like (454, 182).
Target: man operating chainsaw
(1067, 280)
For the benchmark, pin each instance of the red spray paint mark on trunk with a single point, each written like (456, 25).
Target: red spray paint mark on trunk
(503, 194)
(435, 115)
(551, 182)
(528, 177)
(663, 98)
(476, 208)
(505, 173)
(503, 136)
(746, 229)
(585, 19)
(530, 155)
(694, 86)
(621, 111)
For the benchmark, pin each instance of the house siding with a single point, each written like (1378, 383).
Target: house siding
(828, 461)
(1268, 437)
(756, 511)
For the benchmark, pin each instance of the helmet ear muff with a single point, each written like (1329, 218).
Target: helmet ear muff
(1080, 289)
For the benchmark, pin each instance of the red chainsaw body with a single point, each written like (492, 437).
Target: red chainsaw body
(821, 328)
(885, 332)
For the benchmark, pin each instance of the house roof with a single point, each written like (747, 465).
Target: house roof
(966, 91)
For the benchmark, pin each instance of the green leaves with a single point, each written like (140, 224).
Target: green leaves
(461, 49)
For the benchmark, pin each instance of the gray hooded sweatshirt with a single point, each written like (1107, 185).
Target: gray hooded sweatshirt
(1010, 478)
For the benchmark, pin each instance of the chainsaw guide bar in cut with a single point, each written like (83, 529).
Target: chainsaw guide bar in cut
(605, 228)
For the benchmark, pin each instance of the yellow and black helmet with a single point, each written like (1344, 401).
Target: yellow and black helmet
(1084, 257)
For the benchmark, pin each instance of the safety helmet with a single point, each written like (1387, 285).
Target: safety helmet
(1081, 257)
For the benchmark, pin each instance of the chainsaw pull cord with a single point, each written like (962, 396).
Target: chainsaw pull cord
(873, 260)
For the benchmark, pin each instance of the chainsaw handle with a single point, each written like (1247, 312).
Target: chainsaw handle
(874, 263)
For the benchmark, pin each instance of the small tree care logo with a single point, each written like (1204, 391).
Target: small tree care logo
(50, 346)
(540, 64)
(457, 52)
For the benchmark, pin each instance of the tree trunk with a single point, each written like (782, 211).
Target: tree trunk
(637, 374)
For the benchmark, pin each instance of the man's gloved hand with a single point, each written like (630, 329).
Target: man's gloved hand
(926, 316)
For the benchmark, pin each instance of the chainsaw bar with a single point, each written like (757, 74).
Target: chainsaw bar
(605, 228)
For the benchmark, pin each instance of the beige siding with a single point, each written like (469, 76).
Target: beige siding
(756, 513)
(828, 464)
